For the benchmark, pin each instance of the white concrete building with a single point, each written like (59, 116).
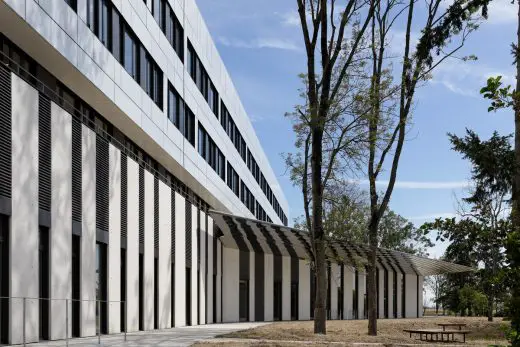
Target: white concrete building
(121, 135)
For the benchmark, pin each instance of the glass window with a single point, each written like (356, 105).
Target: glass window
(189, 126)
(130, 54)
(73, 4)
(116, 35)
(104, 22)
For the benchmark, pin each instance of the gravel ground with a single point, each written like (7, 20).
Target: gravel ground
(351, 333)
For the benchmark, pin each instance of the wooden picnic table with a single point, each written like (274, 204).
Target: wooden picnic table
(444, 325)
(430, 333)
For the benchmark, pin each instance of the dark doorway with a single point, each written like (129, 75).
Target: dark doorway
(214, 298)
(156, 293)
(243, 301)
(101, 290)
(123, 289)
(4, 279)
(173, 296)
(188, 296)
(277, 301)
(76, 290)
(141, 292)
(44, 282)
(294, 301)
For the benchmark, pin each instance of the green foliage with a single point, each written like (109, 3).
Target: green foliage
(501, 96)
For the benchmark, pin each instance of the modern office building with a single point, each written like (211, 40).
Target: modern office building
(121, 136)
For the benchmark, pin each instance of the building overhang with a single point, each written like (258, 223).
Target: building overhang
(256, 236)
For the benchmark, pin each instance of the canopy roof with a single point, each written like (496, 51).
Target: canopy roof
(262, 237)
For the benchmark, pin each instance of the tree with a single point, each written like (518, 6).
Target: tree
(436, 283)
(435, 46)
(329, 59)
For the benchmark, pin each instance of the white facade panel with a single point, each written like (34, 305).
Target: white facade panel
(24, 237)
(361, 293)
(391, 311)
(399, 295)
(230, 285)
(252, 286)
(304, 290)
(202, 270)
(132, 247)
(209, 298)
(194, 267)
(268, 287)
(165, 258)
(114, 246)
(381, 290)
(60, 235)
(219, 281)
(348, 292)
(180, 261)
(411, 296)
(149, 251)
(420, 293)
(335, 282)
(88, 233)
(286, 288)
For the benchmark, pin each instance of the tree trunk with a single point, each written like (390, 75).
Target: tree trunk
(516, 180)
(371, 279)
(320, 306)
(490, 308)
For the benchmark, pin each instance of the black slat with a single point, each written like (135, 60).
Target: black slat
(44, 153)
(102, 177)
(236, 234)
(5, 133)
(188, 234)
(173, 225)
(288, 245)
(124, 196)
(141, 205)
(77, 165)
(251, 236)
(269, 238)
(156, 214)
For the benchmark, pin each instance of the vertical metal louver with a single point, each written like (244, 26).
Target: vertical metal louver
(44, 153)
(5, 133)
(173, 225)
(102, 178)
(188, 233)
(156, 213)
(141, 205)
(76, 170)
(124, 195)
(198, 237)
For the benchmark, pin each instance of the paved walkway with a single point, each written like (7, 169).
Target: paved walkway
(162, 338)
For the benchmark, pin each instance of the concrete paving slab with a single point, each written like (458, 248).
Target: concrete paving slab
(176, 337)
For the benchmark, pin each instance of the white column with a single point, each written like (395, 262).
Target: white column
(361, 293)
(165, 258)
(335, 282)
(132, 247)
(209, 298)
(420, 294)
(399, 295)
(411, 296)
(391, 294)
(381, 297)
(304, 290)
(114, 246)
(219, 281)
(286, 288)
(230, 285)
(180, 261)
(61, 222)
(149, 252)
(348, 276)
(252, 286)
(202, 270)
(24, 236)
(194, 264)
(268, 287)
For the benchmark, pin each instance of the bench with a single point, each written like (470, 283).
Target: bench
(430, 333)
(445, 325)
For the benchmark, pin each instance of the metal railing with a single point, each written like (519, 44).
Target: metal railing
(37, 302)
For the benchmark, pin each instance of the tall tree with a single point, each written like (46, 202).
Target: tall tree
(330, 58)
(439, 30)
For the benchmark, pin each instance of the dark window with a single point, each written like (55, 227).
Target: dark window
(44, 274)
(170, 25)
(201, 78)
(116, 35)
(91, 17)
(202, 141)
(233, 180)
(105, 23)
(175, 108)
(130, 60)
(189, 126)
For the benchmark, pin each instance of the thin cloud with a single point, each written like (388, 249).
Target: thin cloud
(432, 216)
(419, 185)
(259, 43)
(290, 18)
(502, 12)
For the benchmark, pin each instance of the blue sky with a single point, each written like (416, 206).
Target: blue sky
(262, 49)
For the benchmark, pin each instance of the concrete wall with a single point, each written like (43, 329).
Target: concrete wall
(411, 296)
(165, 258)
(348, 292)
(268, 287)
(230, 287)
(180, 261)
(304, 291)
(194, 267)
(132, 247)
(202, 270)
(148, 285)
(114, 246)
(286, 288)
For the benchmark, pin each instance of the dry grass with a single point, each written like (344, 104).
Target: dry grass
(390, 331)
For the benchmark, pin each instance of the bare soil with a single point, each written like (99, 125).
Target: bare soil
(390, 332)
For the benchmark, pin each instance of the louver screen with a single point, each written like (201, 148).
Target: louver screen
(124, 195)
(188, 233)
(156, 214)
(44, 152)
(141, 205)
(173, 225)
(76, 170)
(5, 133)
(102, 177)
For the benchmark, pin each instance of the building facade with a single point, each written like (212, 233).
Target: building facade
(121, 134)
